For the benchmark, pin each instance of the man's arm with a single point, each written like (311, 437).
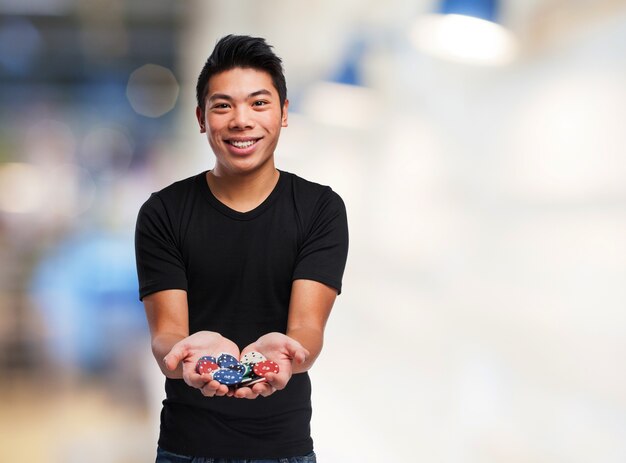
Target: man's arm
(174, 349)
(309, 309)
(295, 352)
(168, 319)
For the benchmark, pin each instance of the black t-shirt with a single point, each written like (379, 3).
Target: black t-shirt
(237, 269)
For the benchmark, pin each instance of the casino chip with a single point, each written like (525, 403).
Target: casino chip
(226, 360)
(252, 357)
(226, 369)
(238, 367)
(264, 367)
(227, 376)
(251, 381)
(210, 358)
(206, 365)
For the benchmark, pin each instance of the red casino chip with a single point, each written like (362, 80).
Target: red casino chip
(264, 367)
(206, 366)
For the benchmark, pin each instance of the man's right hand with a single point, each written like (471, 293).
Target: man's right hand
(190, 349)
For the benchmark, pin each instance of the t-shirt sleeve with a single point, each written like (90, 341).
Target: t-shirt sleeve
(160, 264)
(323, 253)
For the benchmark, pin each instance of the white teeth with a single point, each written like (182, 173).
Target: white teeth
(242, 144)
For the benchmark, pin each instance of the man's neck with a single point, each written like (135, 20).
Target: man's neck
(243, 192)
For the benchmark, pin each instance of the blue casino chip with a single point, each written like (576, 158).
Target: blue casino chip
(226, 360)
(227, 376)
(238, 367)
(208, 358)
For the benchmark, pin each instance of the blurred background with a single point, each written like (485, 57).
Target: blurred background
(479, 147)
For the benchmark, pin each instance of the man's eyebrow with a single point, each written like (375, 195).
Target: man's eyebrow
(223, 96)
(220, 96)
(260, 92)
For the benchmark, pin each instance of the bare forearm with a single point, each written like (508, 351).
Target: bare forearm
(309, 309)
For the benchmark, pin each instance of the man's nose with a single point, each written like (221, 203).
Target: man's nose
(242, 118)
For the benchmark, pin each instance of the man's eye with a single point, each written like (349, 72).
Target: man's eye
(260, 103)
(220, 106)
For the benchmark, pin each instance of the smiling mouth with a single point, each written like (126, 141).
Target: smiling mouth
(242, 143)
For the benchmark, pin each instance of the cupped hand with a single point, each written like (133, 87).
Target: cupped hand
(189, 350)
(281, 349)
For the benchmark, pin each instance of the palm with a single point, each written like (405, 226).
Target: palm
(280, 349)
(190, 349)
(207, 343)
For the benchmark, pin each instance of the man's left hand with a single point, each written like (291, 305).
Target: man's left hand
(281, 349)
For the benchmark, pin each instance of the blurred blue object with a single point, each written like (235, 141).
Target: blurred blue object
(20, 41)
(86, 290)
(349, 70)
(483, 9)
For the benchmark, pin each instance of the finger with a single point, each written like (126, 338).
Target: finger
(300, 356)
(263, 389)
(198, 381)
(296, 351)
(208, 389)
(277, 381)
(175, 355)
(245, 393)
(214, 389)
(222, 390)
(192, 378)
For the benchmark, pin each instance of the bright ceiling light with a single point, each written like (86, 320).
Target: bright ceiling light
(464, 37)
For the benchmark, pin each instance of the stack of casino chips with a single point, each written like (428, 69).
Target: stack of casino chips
(226, 369)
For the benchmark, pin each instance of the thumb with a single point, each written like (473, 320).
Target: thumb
(174, 356)
(301, 355)
(298, 353)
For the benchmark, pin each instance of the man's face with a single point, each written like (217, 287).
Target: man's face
(242, 119)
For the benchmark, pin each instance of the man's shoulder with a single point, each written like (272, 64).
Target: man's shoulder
(311, 195)
(179, 187)
(307, 188)
(172, 196)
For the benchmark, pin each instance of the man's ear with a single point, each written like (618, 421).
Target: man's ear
(284, 117)
(200, 117)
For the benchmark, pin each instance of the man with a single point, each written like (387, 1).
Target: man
(239, 258)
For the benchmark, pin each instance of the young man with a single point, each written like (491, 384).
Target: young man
(239, 258)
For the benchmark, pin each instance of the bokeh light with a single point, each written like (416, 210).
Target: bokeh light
(152, 90)
(106, 150)
(71, 190)
(465, 39)
(22, 188)
(49, 141)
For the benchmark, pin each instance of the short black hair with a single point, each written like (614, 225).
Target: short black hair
(242, 51)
